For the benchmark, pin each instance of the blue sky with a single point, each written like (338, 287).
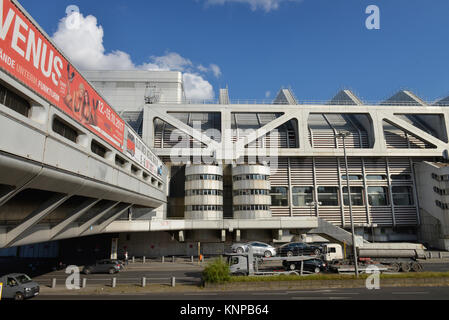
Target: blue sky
(316, 47)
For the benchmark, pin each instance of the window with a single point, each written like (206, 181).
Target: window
(376, 177)
(14, 101)
(302, 196)
(402, 177)
(98, 149)
(378, 196)
(279, 196)
(328, 196)
(402, 196)
(356, 196)
(120, 161)
(64, 130)
(352, 177)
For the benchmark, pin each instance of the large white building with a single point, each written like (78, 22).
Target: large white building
(285, 159)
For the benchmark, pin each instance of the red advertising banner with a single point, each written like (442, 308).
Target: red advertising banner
(27, 55)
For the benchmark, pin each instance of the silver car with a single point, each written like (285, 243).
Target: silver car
(259, 248)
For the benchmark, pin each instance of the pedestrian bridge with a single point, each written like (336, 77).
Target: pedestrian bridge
(59, 180)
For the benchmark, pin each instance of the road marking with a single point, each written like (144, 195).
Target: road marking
(320, 298)
(345, 293)
(418, 292)
(200, 294)
(270, 294)
(309, 291)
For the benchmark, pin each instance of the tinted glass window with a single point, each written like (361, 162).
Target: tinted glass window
(328, 196)
(378, 196)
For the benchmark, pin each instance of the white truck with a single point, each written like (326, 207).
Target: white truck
(391, 257)
(394, 257)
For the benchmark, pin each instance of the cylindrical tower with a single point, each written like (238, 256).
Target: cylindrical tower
(251, 187)
(204, 192)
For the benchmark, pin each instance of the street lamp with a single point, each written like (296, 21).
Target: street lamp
(343, 135)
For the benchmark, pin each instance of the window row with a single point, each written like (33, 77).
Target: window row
(440, 178)
(370, 177)
(204, 208)
(252, 192)
(251, 177)
(197, 177)
(442, 205)
(329, 196)
(441, 192)
(204, 192)
(255, 207)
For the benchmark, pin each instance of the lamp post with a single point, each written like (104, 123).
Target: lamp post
(343, 135)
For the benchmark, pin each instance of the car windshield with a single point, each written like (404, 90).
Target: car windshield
(23, 279)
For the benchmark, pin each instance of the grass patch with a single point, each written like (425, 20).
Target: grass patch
(335, 277)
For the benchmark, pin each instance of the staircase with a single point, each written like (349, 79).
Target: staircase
(333, 233)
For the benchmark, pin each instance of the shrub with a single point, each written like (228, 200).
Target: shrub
(216, 271)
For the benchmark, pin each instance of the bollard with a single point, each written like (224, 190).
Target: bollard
(84, 285)
(163, 259)
(144, 260)
(114, 282)
(441, 255)
(134, 259)
(191, 259)
(53, 283)
(173, 259)
(173, 281)
(144, 282)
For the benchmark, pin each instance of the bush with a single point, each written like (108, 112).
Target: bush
(216, 271)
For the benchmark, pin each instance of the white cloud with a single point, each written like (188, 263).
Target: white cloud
(84, 47)
(266, 5)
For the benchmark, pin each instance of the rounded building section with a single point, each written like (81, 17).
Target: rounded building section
(204, 192)
(251, 192)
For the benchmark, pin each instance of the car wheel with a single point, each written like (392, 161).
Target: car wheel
(19, 296)
(267, 254)
(417, 267)
(405, 267)
(292, 266)
(317, 252)
(317, 270)
(289, 254)
(111, 271)
(239, 250)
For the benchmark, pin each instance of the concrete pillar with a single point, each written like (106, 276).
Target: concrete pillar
(237, 235)
(173, 281)
(163, 259)
(53, 283)
(144, 282)
(223, 235)
(84, 284)
(144, 260)
(114, 282)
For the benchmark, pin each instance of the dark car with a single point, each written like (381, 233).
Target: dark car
(313, 265)
(103, 266)
(299, 249)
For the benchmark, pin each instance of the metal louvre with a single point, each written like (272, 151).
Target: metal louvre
(331, 214)
(167, 136)
(381, 215)
(301, 170)
(406, 215)
(279, 176)
(280, 211)
(358, 214)
(326, 171)
(396, 138)
(322, 135)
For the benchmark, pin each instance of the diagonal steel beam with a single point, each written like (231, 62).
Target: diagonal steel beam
(199, 136)
(35, 217)
(75, 214)
(106, 223)
(92, 221)
(414, 130)
(241, 143)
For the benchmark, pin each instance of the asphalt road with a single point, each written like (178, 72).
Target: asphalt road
(159, 273)
(409, 293)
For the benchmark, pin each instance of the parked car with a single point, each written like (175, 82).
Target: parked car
(259, 248)
(299, 249)
(313, 265)
(103, 266)
(19, 286)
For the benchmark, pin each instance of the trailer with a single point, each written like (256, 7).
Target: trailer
(246, 264)
(392, 257)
